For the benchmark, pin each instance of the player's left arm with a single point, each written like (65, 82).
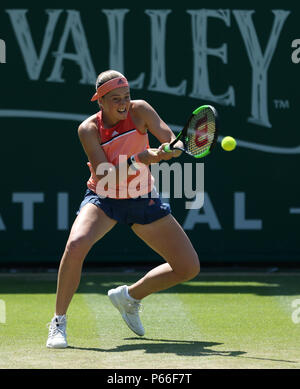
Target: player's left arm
(157, 127)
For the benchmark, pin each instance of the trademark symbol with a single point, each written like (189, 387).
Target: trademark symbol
(281, 104)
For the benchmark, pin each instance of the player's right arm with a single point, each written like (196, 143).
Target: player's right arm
(90, 140)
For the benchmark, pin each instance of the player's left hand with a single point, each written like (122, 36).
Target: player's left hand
(169, 155)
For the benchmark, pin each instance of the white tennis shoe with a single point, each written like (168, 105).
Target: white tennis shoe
(57, 337)
(128, 307)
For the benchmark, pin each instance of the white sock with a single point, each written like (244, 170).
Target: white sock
(128, 295)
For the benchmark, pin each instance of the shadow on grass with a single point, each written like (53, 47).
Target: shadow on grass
(176, 347)
(165, 346)
(261, 285)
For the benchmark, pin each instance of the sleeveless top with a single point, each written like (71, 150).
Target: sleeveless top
(119, 143)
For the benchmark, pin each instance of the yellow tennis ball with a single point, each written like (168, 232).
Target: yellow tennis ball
(228, 143)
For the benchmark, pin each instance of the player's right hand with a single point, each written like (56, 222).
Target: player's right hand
(92, 171)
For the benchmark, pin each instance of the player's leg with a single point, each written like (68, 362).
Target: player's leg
(166, 237)
(90, 225)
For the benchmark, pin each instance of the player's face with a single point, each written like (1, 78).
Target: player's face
(116, 103)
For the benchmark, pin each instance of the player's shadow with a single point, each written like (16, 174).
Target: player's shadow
(191, 348)
(177, 347)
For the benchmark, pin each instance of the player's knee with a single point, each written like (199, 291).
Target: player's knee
(192, 268)
(77, 246)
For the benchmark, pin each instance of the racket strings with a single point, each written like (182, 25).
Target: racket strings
(201, 138)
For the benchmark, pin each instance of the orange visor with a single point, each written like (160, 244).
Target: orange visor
(108, 86)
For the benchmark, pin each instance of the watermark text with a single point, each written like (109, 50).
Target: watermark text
(2, 312)
(296, 53)
(174, 180)
(2, 51)
(296, 312)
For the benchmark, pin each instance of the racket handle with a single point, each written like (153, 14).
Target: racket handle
(167, 149)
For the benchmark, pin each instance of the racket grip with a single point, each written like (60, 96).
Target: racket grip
(167, 149)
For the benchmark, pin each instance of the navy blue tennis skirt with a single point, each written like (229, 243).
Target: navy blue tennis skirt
(129, 211)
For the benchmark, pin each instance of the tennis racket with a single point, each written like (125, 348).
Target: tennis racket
(200, 133)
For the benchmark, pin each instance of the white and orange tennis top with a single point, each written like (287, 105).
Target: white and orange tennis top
(119, 143)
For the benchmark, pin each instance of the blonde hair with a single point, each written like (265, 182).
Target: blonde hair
(105, 76)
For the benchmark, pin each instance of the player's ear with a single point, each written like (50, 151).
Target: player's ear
(100, 102)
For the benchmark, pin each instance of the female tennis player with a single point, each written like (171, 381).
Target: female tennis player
(121, 190)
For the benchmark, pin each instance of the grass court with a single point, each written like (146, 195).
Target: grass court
(216, 321)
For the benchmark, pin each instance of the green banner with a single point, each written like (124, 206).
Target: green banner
(243, 60)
